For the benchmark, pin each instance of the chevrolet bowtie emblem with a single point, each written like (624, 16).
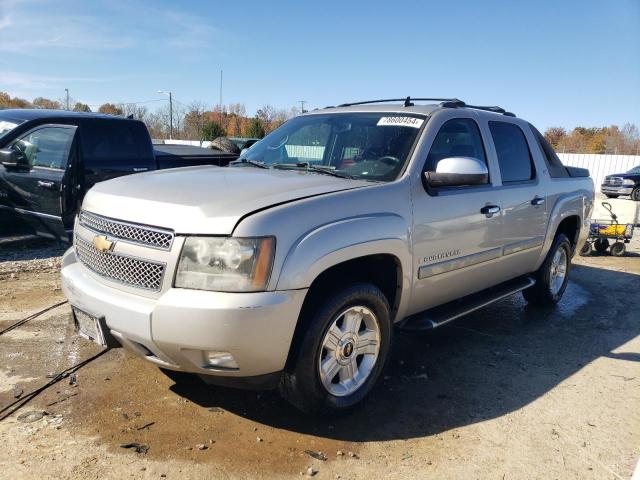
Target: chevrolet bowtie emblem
(102, 244)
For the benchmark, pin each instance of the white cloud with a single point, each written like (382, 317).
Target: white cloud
(5, 22)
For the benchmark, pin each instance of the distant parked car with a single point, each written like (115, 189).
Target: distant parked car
(50, 158)
(627, 183)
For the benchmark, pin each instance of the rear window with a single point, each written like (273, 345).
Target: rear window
(513, 152)
(116, 144)
(554, 164)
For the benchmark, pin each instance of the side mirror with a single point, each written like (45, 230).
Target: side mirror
(457, 172)
(9, 158)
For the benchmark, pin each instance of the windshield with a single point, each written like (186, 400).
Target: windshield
(372, 146)
(635, 170)
(6, 125)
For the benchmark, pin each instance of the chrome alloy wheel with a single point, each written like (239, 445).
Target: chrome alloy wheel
(558, 270)
(349, 351)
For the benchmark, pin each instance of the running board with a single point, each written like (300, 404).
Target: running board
(438, 316)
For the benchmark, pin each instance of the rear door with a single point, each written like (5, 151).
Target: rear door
(37, 187)
(522, 195)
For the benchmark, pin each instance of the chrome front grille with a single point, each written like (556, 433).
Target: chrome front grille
(120, 268)
(129, 232)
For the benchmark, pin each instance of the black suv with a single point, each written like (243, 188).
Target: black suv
(623, 184)
(50, 158)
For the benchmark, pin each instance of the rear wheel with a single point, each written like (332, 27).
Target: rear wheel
(342, 352)
(601, 245)
(552, 276)
(618, 249)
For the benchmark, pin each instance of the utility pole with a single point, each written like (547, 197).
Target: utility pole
(170, 94)
(220, 102)
(302, 102)
(170, 115)
(67, 92)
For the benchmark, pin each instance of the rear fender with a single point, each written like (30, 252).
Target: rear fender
(572, 204)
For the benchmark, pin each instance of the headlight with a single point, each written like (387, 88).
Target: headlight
(628, 181)
(225, 264)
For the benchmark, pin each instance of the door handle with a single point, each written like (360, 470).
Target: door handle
(490, 210)
(44, 184)
(537, 201)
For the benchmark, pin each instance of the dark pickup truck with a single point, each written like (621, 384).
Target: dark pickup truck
(50, 158)
(627, 183)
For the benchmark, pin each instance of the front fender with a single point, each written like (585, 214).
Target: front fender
(343, 240)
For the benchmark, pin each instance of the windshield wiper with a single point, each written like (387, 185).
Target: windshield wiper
(255, 163)
(314, 168)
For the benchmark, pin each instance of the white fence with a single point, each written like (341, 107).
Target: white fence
(600, 165)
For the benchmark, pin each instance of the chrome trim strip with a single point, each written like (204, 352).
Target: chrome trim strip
(523, 245)
(457, 263)
(29, 212)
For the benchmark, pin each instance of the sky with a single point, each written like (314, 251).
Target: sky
(554, 63)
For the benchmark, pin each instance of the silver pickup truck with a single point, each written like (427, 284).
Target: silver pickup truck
(293, 266)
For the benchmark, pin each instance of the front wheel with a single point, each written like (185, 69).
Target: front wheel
(552, 276)
(608, 195)
(341, 353)
(635, 194)
(586, 249)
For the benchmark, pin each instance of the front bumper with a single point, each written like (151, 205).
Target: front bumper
(616, 190)
(175, 330)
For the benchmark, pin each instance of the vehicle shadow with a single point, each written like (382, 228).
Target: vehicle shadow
(486, 365)
(29, 247)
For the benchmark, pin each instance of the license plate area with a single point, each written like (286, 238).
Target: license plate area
(89, 326)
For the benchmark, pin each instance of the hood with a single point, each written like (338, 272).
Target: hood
(624, 175)
(205, 200)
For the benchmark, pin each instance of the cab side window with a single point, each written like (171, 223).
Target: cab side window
(459, 137)
(513, 152)
(46, 147)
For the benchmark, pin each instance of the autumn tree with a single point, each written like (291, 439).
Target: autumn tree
(110, 109)
(45, 103)
(6, 101)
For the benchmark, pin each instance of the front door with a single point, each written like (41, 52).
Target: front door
(36, 186)
(456, 230)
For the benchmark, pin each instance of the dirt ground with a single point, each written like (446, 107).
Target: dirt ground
(508, 392)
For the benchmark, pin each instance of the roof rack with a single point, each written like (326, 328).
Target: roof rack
(494, 109)
(444, 103)
(408, 101)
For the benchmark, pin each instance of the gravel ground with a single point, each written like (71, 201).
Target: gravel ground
(508, 392)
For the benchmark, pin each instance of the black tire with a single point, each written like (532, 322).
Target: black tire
(608, 195)
(601, 245)
(635, 194)
(301, 384)
(586, 249)
(618, 249)
(541, 293)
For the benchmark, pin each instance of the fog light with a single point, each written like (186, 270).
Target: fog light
(214, 359)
